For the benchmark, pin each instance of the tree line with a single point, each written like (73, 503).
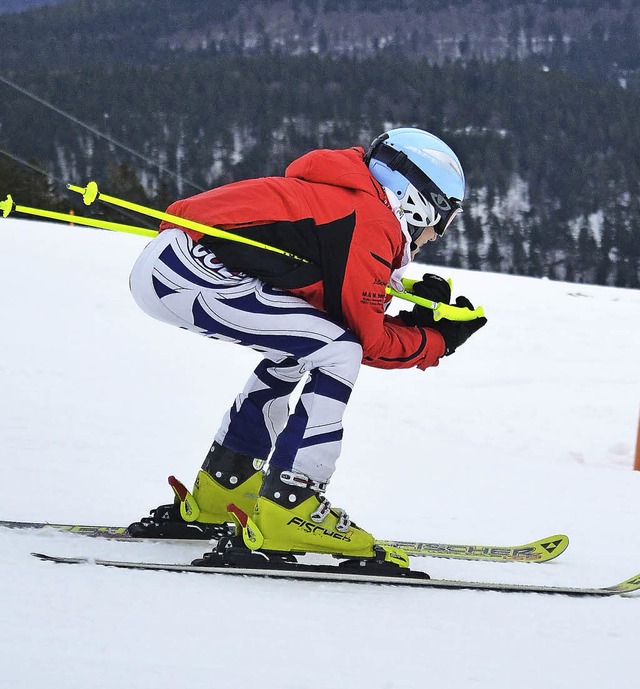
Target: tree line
(551, 159)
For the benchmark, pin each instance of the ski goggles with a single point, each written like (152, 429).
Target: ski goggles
(398, 161)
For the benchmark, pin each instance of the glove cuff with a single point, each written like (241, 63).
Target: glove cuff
(436, 344)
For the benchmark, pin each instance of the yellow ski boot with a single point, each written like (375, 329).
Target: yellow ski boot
(293, 516)
(225, 477)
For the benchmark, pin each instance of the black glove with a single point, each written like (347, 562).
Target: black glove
(432, 287)
(456, 333)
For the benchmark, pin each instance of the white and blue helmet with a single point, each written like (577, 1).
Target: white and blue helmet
(424, 174)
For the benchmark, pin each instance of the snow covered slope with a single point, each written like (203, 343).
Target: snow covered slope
(527, 431)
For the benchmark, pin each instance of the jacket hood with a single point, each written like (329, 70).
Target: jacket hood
(341, 168)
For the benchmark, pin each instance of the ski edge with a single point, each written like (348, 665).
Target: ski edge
(542, 550)
(630, 585)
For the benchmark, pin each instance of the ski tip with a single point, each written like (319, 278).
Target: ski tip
(44, 557)
(552, 546)
(629, 585)
(56, 558)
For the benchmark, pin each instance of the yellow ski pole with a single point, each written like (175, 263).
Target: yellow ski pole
(90, 193)
(7, 206)
(440, 309)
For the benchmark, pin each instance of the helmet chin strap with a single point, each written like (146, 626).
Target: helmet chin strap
(414, 231)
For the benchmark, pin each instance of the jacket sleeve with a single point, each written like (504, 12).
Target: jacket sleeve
(386, 341)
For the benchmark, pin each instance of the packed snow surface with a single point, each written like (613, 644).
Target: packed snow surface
(527, 431)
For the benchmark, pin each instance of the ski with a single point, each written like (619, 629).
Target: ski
(542, 550)
(538, 551)
(110, 532)
(335, 574)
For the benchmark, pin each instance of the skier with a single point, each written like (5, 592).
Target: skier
(350, 221)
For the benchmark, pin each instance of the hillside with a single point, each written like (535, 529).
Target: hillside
(9, 6)
(586, 37)
(548, 138)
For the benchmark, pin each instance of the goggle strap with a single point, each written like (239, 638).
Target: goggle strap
(398, 161)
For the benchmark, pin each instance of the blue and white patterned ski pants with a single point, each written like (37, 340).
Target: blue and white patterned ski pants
(182, 283)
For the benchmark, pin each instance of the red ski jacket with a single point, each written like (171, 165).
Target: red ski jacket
(329, 210)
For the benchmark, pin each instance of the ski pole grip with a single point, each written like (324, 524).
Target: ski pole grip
(457, 313)
(440, 310)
